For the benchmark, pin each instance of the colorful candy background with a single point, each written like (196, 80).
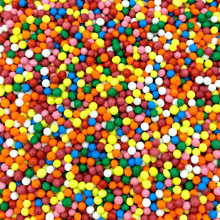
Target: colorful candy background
(109, 109)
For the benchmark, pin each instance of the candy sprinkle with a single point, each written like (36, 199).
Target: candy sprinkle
(109, 109)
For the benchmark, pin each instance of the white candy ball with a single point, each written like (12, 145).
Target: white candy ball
(183, 174)
(195, 159)
(207, 80)
(107, 173)
(145, 89)
(155, 39)
(100, 21)
(50, 169)
(140, 145)
(149, 68)
(197, 170)
(146, 202)
(85, 144)
(1, 48)
(10, 173)
(199, 80)
(96, 215)
(13, 153)
(90, 209)
(29, 53)
(125, 4)
(160, 102)
(47, 131)
(129, 109)
(68, 166)
(66, 183)
(38, 118)
(215, 178)
(159, 212)
(132, 150)
(19, 102)
(2, 80)
(9, 61)
(217, 83)
(50, 216)
(124, 138)
(44, 71)
(14, 196)
(166, 113)
(159, 81)
(137, 101)
(159, 194)
(162, 90)
(46, 53)
(9, 142)
(147, 49)
(172, 132)
(212, 88)
(188, 168)
(14, 47)
(166, 138)
(46, 83)
(94, 114)
(192, 102)
(26, 181)
(214, 19)
(132, 86)
(144, 126)
(168, 35)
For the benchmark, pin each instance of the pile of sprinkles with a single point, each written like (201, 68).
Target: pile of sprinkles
(109, 109)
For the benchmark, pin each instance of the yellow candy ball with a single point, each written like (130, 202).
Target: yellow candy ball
(185, 194)
(118, 171)
(41, 173)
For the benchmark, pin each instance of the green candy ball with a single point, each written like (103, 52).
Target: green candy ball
(11, 54)
(174, 172)
(215, 145)
(216, 56)
(106, 162)
(215, 99)
(136, 170)
(4, 206)
(38, 127)
(110, 126)
(57, 92)
(154, 28)
(29, 173)
(67, 202)
(200, 102)
(64, 34)
(34, 140)
(46, 186)
(123, 163)
(180, 102)
(181, 146)
(112, 92)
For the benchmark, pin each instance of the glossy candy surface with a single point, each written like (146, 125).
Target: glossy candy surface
(109, 109)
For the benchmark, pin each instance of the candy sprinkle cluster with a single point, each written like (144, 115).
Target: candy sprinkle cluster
(109, 109)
